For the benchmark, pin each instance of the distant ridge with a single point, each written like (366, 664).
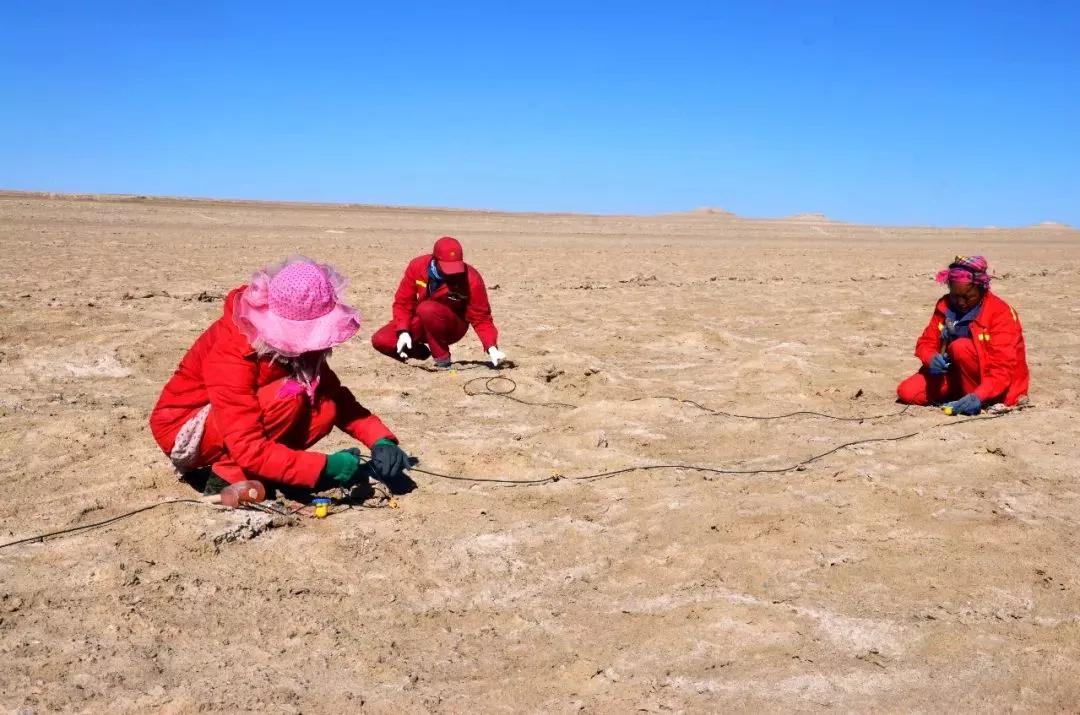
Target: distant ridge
(273, 203)
(704, 211)
(809, 218)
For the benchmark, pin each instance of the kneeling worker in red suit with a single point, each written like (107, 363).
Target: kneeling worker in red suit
(439, 297)
(254, 393)
(972, 351)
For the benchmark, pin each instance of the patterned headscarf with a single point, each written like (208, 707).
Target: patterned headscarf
(966, 269)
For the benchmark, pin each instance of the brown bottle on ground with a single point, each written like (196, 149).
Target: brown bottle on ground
(245, 492)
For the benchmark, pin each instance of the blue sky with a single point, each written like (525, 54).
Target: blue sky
(902, 113)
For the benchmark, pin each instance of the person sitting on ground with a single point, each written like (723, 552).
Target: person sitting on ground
(254, 392)
(438, 298)
(972, 351)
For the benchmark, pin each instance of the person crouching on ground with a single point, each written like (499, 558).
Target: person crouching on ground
(439, 297)
(972, 351)
(254, 392)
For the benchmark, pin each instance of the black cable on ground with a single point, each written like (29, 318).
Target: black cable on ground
(426, 368)
(105, 522)
(489, 390)
(264, 508)
(701, 468)
(797, 413)
(457, 366)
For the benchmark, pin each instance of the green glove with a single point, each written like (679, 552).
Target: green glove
(340, 468)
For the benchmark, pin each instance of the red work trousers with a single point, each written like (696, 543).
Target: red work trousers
(292, 421)
(963, 377)
(433, 325)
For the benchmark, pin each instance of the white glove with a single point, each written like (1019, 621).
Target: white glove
(496, 355)
(404, 342)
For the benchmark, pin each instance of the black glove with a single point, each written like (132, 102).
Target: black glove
(389, 462)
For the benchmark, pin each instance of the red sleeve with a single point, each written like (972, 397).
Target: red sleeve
(405, 299)
(352, 417)
(478, 312)
(230, 379)
(929, 343)
(1001, 350)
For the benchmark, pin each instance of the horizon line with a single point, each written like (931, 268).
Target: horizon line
(805, 217)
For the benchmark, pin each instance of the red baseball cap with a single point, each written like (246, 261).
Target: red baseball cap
(449, 256)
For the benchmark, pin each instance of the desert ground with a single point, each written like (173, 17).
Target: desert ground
(935, 572)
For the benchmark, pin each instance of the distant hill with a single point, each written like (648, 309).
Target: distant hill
(704, 211)
(809, 218)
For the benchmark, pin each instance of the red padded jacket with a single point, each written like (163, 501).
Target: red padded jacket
(468, 299)
(222, 369)
(999, 343)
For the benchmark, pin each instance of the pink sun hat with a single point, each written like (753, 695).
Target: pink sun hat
(295, 308)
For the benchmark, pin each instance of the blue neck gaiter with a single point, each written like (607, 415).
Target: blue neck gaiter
(435, 279)
(960, 327)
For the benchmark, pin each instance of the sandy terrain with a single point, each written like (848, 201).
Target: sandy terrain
(936, 572)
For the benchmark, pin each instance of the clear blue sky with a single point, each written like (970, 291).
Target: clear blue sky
(904, 112)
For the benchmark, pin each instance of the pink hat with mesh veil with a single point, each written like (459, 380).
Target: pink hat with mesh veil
(295, 308)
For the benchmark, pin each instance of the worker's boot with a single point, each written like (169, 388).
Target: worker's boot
(214, 485)
(419, 351)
